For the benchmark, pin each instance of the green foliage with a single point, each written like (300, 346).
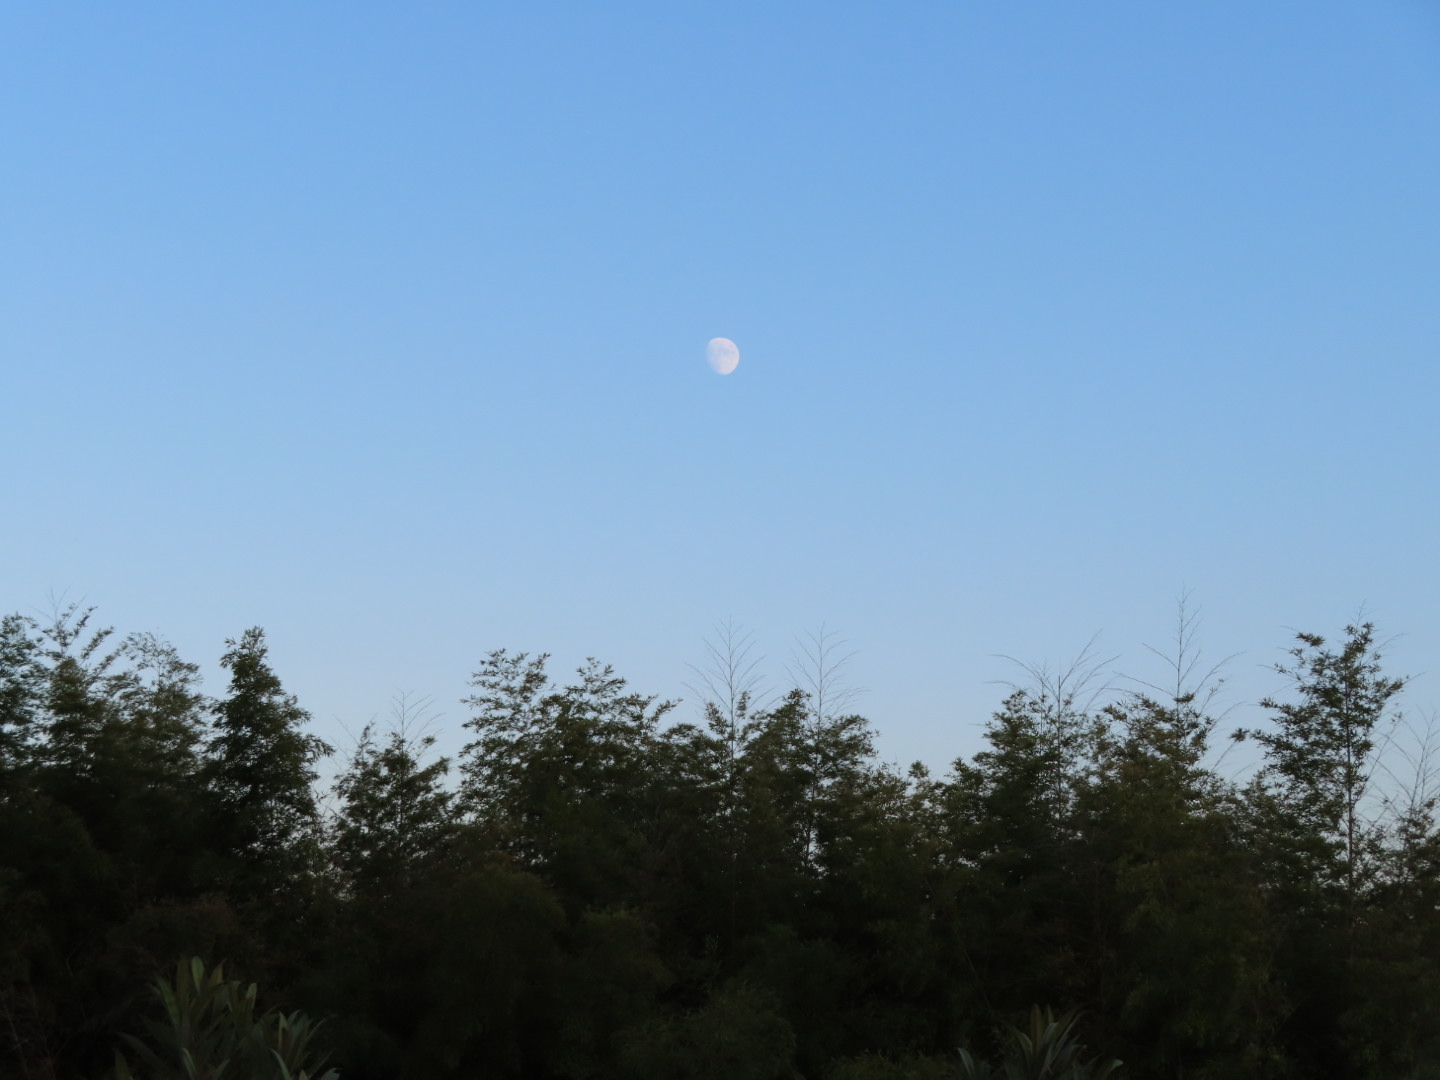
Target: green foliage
(584, 739)
(1181, 940)
(560, 774)
(1319, 755)
(394, 812)
(22, 686)
(454, 974)
(1320, 844)
(906, 1067)
(606, 895)
(212, 1031)
(610, 977)
(100, 805)
(260, 770)
(1010, 836)
(737, 1034)
(1048, 1048)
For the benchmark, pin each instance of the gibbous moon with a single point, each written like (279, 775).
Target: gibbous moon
(722, 355)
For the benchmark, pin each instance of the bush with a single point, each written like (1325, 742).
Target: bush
(1048, 1050)
(212, 1031)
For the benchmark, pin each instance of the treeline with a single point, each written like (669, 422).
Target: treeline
(592, 890)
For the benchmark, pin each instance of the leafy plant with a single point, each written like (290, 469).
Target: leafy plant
(212, 1031)
(1049, 1049)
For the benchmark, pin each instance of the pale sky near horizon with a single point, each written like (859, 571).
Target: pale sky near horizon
(383, 327)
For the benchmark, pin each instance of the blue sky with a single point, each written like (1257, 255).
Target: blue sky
(383, 326)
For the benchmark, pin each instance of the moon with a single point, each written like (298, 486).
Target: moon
(722, 355)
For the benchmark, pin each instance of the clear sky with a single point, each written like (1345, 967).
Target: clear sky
(383, 326)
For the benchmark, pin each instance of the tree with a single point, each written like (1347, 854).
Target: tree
(394, 812)
(1321, 851)
(99, 800)
(260, 770)
(1010, 838)
(1389, 1023)
(705, 769)
(1175, 949)
(1319, 757)
(1179, 947)
(22, 680)
(561, 774)
(730, 687)
(737, 1034)
(818, 672)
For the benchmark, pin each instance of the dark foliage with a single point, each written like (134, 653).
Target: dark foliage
(603, 893)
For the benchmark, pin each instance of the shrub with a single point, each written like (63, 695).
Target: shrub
(212, 1031)
(1048, 1050)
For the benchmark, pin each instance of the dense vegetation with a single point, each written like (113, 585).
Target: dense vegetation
(594, 890)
